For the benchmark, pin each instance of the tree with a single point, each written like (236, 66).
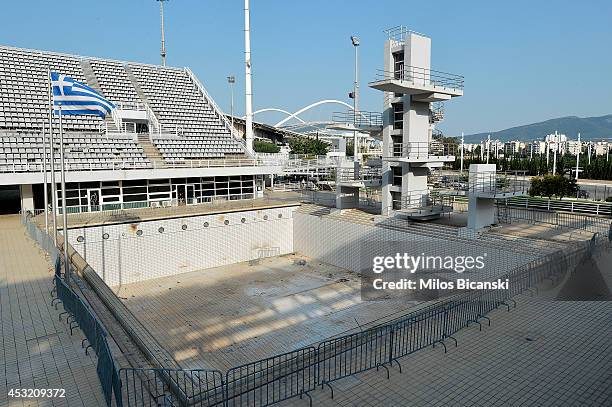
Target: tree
(553, 185)
(308, 146)
(265, 147)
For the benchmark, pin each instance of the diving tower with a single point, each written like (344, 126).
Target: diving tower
(410, 89)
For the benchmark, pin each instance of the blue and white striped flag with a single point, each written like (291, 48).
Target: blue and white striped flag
(77, 98)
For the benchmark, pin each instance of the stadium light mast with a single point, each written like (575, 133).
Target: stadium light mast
(163, 38)
(247, 73)
(355, 95)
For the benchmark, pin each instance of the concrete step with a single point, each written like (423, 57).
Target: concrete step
(150, 150)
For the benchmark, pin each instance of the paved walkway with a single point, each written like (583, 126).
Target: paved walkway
(36, 349)
(543, 353)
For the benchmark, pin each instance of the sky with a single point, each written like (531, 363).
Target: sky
(523, 61)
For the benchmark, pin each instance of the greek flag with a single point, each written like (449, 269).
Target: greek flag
(77, 98)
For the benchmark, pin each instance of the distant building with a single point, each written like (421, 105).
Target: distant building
(512, 147)
(573, 147)
(557, 141)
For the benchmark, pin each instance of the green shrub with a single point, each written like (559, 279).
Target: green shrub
(265, 147)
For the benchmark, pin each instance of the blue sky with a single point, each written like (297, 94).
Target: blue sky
(523, 61)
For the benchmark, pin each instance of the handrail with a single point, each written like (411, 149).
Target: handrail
(144, 165)
(216, 108)
(420, 150)
(359, 118)
(423, 76)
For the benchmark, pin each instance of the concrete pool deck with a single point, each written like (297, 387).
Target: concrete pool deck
(230, 315)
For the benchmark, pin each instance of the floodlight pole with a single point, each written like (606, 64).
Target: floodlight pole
(554, 171)
(355, 42)
(163, 38)
(578, 156)
(589, 152)
(247, 73)
(462, 140)
(488, 147)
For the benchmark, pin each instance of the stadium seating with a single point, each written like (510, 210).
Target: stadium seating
(191, 128)
(23, 89)
(114, 82)
(24, 152)
(196, 147)
(177, 101)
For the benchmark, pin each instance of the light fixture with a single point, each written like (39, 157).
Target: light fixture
(355, 40)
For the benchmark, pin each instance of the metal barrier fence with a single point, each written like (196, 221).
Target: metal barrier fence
(296, 373)
(79, 314)
(509, 214)
(584, 207)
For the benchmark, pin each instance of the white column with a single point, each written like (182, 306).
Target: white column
(248, 86)
(27, 197)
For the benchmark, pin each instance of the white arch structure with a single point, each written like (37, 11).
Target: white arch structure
(302, 110)
(273, 109)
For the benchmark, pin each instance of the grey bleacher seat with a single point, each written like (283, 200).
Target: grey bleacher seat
(171, 94)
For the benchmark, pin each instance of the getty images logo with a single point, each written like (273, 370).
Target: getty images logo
(409, 263)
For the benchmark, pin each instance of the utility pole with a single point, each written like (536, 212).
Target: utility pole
(247, 74)
(163, 38)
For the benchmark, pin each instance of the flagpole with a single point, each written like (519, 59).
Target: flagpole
(52, 160)
(63, 182)
(45, 179)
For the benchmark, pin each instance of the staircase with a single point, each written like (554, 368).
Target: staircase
(139, 91)
(150, 151)
(153, 122)
(92, 81)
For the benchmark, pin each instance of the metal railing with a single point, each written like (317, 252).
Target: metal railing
(559, 205)
(424, 201)
(422, 77)
(507, 213)
(296, 373)
(216, 108)
(492, 183)
(79, 315)
(140, 165)
(365, 174)
(359, 119)
(400, 32)
(420, 150)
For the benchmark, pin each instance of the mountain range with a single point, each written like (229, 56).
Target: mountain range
(589, 127)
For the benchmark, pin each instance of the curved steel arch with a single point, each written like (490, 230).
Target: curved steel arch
(302, 110)
(273, 109)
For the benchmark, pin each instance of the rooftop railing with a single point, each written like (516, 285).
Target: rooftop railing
(400, 32)
(423, 77)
